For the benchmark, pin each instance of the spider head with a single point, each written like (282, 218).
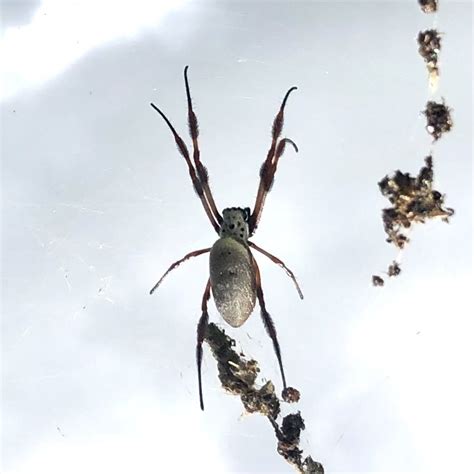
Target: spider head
(235, 223)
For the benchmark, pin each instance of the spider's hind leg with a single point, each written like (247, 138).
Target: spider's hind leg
(268, 322)
(201, 334)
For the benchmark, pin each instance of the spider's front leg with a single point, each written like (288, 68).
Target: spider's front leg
(200, 168)
(197, 172)
(269, 166)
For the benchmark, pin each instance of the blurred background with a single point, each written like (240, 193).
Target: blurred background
(99, 376)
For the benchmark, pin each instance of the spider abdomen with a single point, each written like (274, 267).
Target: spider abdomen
(232, 280)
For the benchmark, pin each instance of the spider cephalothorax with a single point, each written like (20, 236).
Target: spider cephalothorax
(235, 223)
(234, 274)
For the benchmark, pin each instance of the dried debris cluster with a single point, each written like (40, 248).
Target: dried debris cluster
(393, 271)
(238, 376)
(413, 200)
(429, 46)
(428, 6)
(438, 118)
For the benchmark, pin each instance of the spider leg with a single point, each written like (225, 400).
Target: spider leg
(200, 168)
(268, 169)
(267, 174)
(201, 334)
(280, 263)
(198, 187)
(267, 320)
(194, 253)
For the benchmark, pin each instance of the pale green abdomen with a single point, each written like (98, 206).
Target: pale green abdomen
(232, 280)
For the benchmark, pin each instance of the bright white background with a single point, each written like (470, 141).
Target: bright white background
(97, 375)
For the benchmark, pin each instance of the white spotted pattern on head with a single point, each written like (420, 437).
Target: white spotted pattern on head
(235, 223)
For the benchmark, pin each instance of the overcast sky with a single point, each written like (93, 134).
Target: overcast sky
(97, 375)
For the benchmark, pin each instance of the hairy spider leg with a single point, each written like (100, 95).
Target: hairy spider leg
(201, 334)
(267, 320)
(194, 253)
(267, 173)
(268, 168)
(200, 168)
(280, 263)
(183, 150)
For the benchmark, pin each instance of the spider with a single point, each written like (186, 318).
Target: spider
(234, 278)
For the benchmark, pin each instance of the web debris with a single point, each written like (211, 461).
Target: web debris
(238, 376)
(428, 6)
(438, 118)
(413, 201)
(429, 46)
